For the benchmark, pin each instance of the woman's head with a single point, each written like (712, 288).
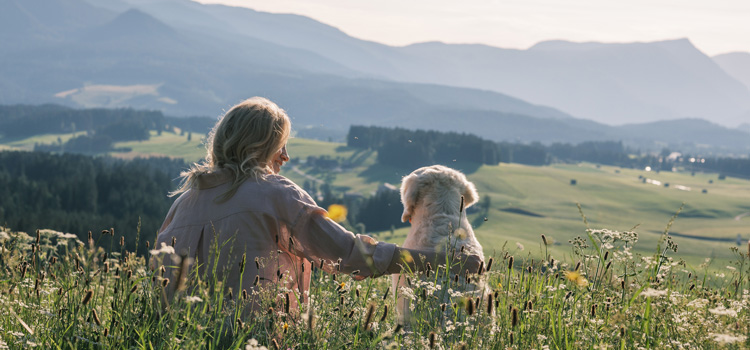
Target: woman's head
(248, 137)
(249, 140)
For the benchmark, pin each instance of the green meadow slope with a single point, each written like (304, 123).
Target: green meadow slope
(528, 201)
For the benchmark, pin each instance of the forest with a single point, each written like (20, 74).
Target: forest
(77, 193)
(406, 148)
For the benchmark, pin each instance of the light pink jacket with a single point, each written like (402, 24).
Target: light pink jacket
(271, 219)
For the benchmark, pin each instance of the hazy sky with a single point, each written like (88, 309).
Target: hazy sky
(714, 26)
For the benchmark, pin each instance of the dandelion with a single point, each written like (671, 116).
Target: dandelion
(337, 212)
(577, 277)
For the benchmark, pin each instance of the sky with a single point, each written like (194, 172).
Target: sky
(713, 26)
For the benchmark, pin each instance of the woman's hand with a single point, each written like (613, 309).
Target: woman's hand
(464, 263)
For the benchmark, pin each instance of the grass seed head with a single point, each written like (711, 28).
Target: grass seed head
(489, 264)
(489, 304)
(96, 317)
(513, 317)
(510, 263)
(87, 297)
(544, 239)
(469, 306)
(369, 315)
(385, 313)
(433, 337)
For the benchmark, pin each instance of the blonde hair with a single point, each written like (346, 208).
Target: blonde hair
(244, 141)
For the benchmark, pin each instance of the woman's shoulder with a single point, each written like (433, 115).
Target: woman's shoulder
(276, 186)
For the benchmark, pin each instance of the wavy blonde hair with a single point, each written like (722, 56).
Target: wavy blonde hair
(244, 141)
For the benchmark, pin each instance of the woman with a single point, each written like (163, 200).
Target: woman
(235, 203)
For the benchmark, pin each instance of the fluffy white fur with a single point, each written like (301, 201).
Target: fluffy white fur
(432, 199)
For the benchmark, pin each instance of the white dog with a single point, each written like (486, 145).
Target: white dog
(432, 202)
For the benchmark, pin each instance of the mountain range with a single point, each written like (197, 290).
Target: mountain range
(186, 58)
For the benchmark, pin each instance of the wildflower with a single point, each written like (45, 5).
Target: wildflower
(577, 277)
(193, 299)
(406, 256)
(519, 246)
(722, 311)
(650, 292)
(461, 233)
(164, 249)
(727, 338)
(337, 212)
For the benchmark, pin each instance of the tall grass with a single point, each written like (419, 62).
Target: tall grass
(57, 292)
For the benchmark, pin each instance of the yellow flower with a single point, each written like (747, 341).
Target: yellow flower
(337, 212)
(576, 277)
(406, 256)
(342, 285)
(285, 326)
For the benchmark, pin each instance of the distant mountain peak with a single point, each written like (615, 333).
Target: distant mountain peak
(136, 24)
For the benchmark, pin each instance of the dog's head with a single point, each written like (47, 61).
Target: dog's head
(435, 179)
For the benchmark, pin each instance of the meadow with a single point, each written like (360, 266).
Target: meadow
(527, 201)
(612, 262)
(61, 293)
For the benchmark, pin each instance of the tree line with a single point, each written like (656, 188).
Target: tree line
(411, 149)
(97, 128)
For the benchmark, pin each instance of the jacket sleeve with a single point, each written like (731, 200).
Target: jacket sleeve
(316, 237)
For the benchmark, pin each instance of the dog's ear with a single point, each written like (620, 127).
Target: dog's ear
(470, 193)
(409, 194)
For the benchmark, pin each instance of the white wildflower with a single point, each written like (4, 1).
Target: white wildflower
(727, 338)
(650, 292)
(164, 249)
(731, 268)
(193, 299)
(252, 344)
(722, 311)
(519, 246)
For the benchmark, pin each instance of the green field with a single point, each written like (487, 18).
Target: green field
(611, 197)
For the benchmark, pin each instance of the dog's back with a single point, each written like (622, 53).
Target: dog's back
(432, 198)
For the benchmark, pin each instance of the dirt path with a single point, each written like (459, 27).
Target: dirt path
(739, 217)
(319, 181)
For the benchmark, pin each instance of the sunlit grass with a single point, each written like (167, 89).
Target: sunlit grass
(596, 292)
